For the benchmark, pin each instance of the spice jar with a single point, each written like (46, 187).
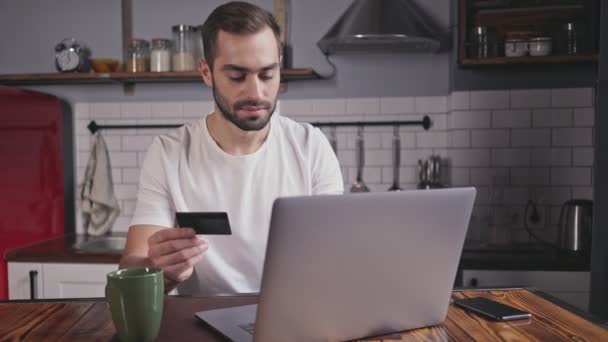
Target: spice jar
(183, 48)
(160, 57)
(138, 56)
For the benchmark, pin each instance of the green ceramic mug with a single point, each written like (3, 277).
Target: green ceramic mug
(136, 299)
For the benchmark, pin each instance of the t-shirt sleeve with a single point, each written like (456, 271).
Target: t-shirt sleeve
(326, 174)
(153, 198)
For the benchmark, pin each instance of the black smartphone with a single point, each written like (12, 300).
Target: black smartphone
(205, 223)
(491, 309)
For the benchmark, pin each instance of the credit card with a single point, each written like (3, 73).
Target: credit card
(205, 223)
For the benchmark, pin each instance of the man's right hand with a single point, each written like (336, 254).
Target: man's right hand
(175, 251)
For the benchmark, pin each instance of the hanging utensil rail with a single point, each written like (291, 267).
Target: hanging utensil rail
(425, 123)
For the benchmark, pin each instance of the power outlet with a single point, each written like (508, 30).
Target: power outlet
(534, 215)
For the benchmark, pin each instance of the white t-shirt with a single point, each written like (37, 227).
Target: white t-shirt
(187, 171)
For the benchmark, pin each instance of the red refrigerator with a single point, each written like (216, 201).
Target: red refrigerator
(36, 191)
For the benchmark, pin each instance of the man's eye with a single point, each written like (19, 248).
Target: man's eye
(267, 76)
(236, 76)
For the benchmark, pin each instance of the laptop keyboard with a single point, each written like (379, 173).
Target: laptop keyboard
(249, 327)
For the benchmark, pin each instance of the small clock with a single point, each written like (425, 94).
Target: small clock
(72, 56)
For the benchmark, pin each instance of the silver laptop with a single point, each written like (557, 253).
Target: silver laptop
(342, 267)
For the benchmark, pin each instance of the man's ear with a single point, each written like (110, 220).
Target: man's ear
(205, 70)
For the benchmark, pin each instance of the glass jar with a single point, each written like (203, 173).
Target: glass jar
(183, 48)
(569, 39)
(160, 57)
(483, 43)
(138, 56)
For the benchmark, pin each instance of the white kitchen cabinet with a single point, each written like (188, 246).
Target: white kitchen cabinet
(75, 280)
(19, 280)
(58, 280)
(571, 287)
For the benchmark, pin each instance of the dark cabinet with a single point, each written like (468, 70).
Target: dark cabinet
(499, 32)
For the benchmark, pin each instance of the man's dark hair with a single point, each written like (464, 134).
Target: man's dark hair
(236, 17)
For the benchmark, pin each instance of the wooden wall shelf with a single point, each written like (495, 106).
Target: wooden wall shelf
(132, 78)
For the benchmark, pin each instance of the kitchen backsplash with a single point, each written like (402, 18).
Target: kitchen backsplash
(512, 145)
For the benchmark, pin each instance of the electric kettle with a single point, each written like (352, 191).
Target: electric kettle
(574, 229)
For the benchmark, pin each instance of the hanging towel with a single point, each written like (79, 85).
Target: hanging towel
(98, 202)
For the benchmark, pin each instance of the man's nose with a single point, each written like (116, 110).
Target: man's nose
(254, 88)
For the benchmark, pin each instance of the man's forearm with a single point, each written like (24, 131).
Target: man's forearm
(133, 261)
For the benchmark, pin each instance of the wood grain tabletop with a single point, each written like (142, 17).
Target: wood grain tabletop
(89, 320)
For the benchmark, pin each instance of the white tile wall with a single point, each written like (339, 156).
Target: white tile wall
(460, 138)
(572, 137)
(397, 105)
(513, 145)
(511, 157)
(551, 156)
(471, 119)
(490, 138)
(530, 176)
(582, 156)
(470, 157)
(329, 106)
(571, 176)
(531, 137)
(135, 110)
(531, 98)
(431, 104)
(576, 97)
(552, 118)
(584, 117)
(490, 99)
(510, 118)
(363, 106)
(460, 100)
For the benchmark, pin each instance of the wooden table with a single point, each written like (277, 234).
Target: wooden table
(89, 320)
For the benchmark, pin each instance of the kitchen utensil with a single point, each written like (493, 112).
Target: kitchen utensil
(516, 47)
(72, 56)
(423, 174)
(396, 160)
(540, 46)
(420, 171)
(436, 174)
(429, 173)
(359, 184)
(428, 168)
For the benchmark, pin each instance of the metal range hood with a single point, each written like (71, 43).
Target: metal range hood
(382, 25)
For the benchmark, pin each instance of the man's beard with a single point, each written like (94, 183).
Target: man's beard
(244, 124)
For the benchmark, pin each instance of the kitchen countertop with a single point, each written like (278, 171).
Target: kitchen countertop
(524, 257)
(62, 250)
(531, 257)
